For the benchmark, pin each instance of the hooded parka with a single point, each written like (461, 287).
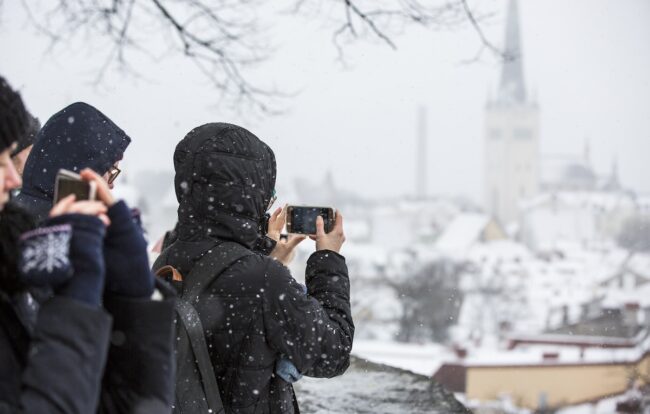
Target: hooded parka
(57, 354)
(254, 313)
(77, 137)
(60, 355)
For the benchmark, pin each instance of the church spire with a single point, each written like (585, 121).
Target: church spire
(511, 87)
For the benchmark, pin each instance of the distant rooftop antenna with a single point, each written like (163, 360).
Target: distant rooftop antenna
(421, 154)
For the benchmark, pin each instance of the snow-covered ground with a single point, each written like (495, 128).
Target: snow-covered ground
(422, 359)
(606, 406)
(370, 388)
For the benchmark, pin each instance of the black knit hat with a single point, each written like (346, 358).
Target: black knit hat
(14, 118)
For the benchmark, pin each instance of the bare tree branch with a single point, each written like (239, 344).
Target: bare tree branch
(351, 7)
(222, 37)
(485, 42)
(381, 18)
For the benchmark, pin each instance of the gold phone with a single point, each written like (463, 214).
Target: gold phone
(68, 182)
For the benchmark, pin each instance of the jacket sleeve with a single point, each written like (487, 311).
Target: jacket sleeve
(66, 359)
(264, 245)
(314, 330)
(139, 375)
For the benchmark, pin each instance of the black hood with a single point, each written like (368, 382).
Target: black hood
(225, 177)
(77, 137)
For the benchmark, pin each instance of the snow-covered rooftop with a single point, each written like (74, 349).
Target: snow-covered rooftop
(462, 232)
(566, 354)
(601, 200)
(499, 251)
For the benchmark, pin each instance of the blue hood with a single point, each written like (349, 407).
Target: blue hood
(77, 137)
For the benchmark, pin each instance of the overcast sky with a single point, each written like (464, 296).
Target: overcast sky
(588, 62)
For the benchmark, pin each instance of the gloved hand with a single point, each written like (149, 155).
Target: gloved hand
(66, 254)
(287, 371)
(125, 254)
(45, 255)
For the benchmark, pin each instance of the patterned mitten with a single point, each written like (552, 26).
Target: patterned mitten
(66, 254)
(45, 256)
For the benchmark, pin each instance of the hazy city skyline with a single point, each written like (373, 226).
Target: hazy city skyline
(586, 62)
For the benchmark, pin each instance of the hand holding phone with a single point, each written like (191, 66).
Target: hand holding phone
(103, 191)
(276, 223)
(332, 240)
(88, 185)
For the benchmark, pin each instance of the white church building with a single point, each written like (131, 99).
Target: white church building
(511, 148)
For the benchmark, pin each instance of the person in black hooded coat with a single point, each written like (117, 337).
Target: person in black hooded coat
(87, 338)
(254, 314)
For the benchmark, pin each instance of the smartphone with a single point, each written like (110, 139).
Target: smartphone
(302, 220)
(68, 182)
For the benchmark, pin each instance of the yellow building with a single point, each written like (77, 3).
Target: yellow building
(575, 373)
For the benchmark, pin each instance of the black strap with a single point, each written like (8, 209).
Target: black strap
(192, 323)
(217, 259)
(205, 271)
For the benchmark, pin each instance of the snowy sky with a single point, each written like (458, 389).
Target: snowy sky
(587, 60)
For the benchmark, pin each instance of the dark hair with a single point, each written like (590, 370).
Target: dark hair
(29, 136)
(14, 118)
(14, 221)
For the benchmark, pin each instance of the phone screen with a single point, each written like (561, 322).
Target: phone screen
(303, 219)
(66, 186)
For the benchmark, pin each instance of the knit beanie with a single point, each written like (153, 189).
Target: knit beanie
(14, 119)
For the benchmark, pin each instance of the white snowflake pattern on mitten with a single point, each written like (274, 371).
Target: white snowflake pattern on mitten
(46, 249)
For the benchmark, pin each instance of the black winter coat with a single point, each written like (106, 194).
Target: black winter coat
(74, 358)
(59, 355)
(255, 312)
(77, 137)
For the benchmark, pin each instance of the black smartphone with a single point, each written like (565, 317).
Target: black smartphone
(68, 182)
(302, 220)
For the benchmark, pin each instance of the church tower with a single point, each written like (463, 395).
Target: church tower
(511, 142)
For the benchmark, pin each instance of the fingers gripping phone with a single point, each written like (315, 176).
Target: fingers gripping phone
(68, 182)
(302, 220)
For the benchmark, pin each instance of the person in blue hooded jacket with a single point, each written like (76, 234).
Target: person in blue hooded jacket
(77, 137)
(79, 329)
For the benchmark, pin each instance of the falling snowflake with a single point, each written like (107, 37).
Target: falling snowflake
(46, 250)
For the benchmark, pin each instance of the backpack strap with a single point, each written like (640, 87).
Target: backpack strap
(216, 259)
(192, 323)
(170, 274)
(205, 271)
